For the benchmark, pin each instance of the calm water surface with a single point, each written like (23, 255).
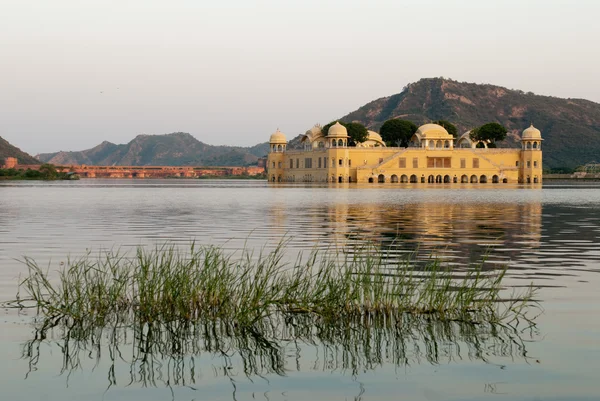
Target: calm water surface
(547, 236)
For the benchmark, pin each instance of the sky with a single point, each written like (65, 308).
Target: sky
(74, 73)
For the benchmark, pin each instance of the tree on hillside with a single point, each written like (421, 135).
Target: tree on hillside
(397, 132)
(451, 128)
(356, 131)
(490, 132)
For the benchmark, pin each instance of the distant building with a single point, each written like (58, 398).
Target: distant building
(10, 162)
(433, 156)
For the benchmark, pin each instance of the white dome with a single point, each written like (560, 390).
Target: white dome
(278, 137)
(337, 130)
(531, 133)
(374, 136)
(433, 131)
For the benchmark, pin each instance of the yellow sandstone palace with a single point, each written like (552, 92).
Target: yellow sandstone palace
(433, 156)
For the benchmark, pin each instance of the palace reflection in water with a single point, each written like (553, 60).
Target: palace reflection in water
(453, 232)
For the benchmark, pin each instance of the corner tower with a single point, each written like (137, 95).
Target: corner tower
(275, 160)
(530, 171)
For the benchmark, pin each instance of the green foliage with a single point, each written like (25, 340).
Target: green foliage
(397, 132)
(451, 128)
(45, 172)
(491, 132)
(48, 171)
(358, 133)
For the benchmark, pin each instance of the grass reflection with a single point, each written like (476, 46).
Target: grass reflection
(168, 354)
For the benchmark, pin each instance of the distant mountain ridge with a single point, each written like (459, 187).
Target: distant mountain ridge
(8, 150)
(176, 149)
(570, 127)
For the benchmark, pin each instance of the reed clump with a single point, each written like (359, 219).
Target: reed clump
(205, 283)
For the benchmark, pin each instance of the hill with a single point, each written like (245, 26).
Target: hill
(8, 150)
(570, 127)
(177, 149)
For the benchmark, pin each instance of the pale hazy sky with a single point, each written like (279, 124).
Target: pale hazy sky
(76, 72)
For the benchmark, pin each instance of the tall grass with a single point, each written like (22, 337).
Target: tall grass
(166, 284)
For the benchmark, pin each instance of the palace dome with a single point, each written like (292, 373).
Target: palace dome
(314, 131)
(433, 131)
(337, 130)
(374, 136)
(278, 137)
(531, 133)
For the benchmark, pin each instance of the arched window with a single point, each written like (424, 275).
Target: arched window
(381, 178)
(528, 145)
(340, 143)
(431, 144)
(495, 179)
(279, 148)
(333, 143)
(447, 144)
(535, 145)
(370, 179)
(438, 144)
(321, 144)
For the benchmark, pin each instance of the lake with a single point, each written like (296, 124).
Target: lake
(548, 236)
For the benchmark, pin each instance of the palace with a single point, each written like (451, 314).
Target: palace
(433, 156)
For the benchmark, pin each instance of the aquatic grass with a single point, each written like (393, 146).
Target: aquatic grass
(205, 283)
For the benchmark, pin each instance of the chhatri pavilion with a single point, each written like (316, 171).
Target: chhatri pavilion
(433, 156)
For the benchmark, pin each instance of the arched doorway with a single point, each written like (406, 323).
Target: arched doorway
(495, 179)
(370, 180)
(535, 180)
(404, 178)
(413, 179)
(473, 179)
(455, 179)
(431, 179)
(273, 178)
(394, 178)
(340, 179)
(504, 181)
(464, 179)
(381, 178)
(422, 179)
(483, 179)
(438, 179)
(446, 179)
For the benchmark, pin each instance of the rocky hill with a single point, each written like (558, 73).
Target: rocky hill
(8, 150)
(177, 149)
(570, 127)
